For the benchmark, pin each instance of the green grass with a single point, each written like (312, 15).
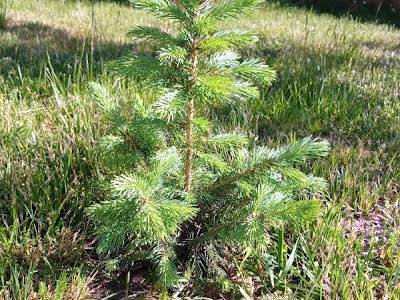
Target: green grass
(337, 78)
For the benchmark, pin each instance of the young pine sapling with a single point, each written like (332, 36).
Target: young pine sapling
(186, 192)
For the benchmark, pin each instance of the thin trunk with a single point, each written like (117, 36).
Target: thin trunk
(189, 125)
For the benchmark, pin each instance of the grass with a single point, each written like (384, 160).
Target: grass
(338, 79)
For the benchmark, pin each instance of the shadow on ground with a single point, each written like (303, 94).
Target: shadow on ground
(318, 93)
(33, 46)
(361, 12)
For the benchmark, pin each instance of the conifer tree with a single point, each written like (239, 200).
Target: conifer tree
(186, 191)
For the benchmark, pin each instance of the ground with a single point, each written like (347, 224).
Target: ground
(338, 78)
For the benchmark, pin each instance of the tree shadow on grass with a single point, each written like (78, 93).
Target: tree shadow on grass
(338, 93)
(360, 11)
(30, 47)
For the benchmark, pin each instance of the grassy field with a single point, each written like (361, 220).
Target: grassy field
(337, 79)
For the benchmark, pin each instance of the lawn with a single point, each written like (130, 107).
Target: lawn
(338, 79)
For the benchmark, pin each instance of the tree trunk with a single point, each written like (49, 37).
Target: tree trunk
(190, 116)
